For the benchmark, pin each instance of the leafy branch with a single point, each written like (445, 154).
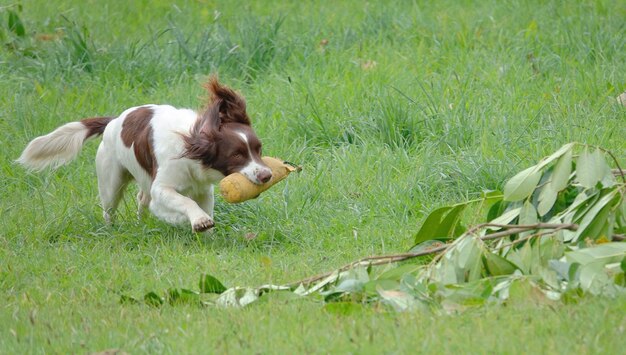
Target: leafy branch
(394, 258)
(556, 230)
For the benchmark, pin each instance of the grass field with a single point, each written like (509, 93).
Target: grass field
(393, 108)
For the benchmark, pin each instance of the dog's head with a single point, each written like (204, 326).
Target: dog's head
(223, 139)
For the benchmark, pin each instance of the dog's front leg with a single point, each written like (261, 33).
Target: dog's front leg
(167, 198)
(207, 201)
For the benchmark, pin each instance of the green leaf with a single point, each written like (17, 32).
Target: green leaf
(399, 300)
(561, 268)
(581, 202)
(602, 226)
(209, 284)
(528, 214)
(521, 258)
(396, 273)
(182, 296)
(125, 299)
(559, 179)
(574, 272)
(357, 273)
(373, 286)
(173, 295)
(524, 292)
(607, 253)
(522, 185)
(189, 296)
(590, 168)
(468, 294)
(152, 299)
(431, 225)
(497, 265)
(547, 198)
(15, 24)
(467, 259)
(237, 297)
(496, 210)
(593, 278)
(349, 285)
(549, 248)
(562, 171)
(596, 214)
(447, 227)
(507, 217)
(566, 149)
(491, 199)
(621, 217)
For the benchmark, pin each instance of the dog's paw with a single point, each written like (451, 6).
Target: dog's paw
(201, 224)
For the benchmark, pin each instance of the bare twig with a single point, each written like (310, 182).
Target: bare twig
(515, 229)
(619, 172)
(371, 260)
(536, 235)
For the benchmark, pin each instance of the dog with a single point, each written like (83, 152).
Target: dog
(176, 156)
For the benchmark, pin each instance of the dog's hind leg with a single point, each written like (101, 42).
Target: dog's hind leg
(112, 181)
(143, 201)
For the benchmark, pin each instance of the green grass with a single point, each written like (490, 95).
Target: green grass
(393, 108)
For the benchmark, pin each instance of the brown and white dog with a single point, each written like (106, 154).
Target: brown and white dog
(176, 156)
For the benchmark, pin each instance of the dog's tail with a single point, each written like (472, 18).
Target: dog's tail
(61, 145)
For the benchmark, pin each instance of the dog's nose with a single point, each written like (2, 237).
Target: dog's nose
(264, 176)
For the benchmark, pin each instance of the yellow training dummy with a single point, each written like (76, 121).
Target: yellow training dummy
(237, 188)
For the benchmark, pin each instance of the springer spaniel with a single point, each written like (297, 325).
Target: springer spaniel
(176, 156)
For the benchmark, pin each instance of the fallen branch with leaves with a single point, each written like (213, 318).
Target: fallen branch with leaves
(557, 229)
(394, 258)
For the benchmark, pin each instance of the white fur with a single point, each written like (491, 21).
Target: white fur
(54, 149)
(253, 168)
(182, 190)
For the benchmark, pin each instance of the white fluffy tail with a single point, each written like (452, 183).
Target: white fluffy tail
(56, 148)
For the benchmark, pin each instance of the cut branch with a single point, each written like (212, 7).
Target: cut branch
(394, 258)
(515, 229)
(370, 260)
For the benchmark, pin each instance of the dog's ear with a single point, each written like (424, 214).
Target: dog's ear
(210, 121)
(232, 106)
(200, 148)
(200, 143)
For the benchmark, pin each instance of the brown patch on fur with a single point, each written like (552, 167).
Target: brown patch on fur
(137, 132)
(232, 106)
(95, 125)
